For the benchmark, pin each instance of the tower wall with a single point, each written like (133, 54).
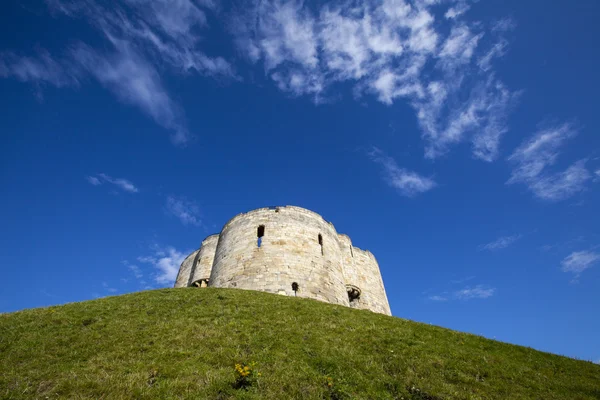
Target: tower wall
(206, 257)
(362, 271)
(289, 252)
(368, 279)
(297, 249)
(183, 277)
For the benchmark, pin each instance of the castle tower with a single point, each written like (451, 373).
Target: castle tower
(290, 251)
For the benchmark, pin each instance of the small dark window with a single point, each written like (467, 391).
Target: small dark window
(260, 232)
(321, 243)
(353, 294)
(295, 287)
(351, 252)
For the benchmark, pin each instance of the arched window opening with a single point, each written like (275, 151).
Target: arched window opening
(321, 243)
(295, 287)
(202, 283)
(353, 294)
(260, 232)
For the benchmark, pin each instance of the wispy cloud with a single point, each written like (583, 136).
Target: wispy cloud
(186, 210)
(142, 39)
(441, 65)
(108, 288)
(466, 293)
(395, 50)
(123, 184)
(501, 243)
(41, 68)
(93, 180)
(437, 298)
(476, 292)
(134, 80)
(579, 261)
(533, 157)
(457, 10)
(166, 261)
(134, 269)
(408, 183)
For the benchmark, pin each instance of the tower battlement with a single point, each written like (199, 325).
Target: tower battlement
(290, 251)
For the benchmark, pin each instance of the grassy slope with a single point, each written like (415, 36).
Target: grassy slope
(184, 343)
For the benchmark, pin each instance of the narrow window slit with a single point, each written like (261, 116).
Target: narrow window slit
(321, 243)
(260, 232)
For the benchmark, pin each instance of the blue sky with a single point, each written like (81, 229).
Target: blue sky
(456, 140)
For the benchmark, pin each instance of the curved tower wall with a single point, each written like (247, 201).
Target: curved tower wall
(362, 271)
(346, 251)
(329, 269)
(206, 257)
(368, 276)
(185, 270)
(289, 252)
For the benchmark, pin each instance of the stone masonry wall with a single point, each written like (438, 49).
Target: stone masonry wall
(183, 277)
(297, 247)
(368, 279)
(289, 252)
(205, 260)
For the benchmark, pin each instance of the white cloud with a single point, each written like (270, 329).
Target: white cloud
(41, 69)
(437, 298)
(187, 211)
(460, 45)
(408, 183)
(135, 270)
(497, 50)
(134, 81)
(501, 243)
(166, 261)
(396, 50)
(108, 288)
(483, 115)
(579, 261)
(476, 292)
(93, 180)
(163, 31)
(504, 25)
(466, 293)
(144, 38)
(123, 184)
(456, 11)
(533, 157)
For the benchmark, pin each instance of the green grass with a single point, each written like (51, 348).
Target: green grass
(184, 343)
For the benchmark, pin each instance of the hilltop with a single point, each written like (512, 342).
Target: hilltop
(185, 343)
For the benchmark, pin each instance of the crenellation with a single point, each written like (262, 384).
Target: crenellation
(291, 251)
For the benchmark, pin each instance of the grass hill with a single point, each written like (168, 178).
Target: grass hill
(185, 343)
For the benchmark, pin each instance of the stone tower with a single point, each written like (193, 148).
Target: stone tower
(291, 251)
